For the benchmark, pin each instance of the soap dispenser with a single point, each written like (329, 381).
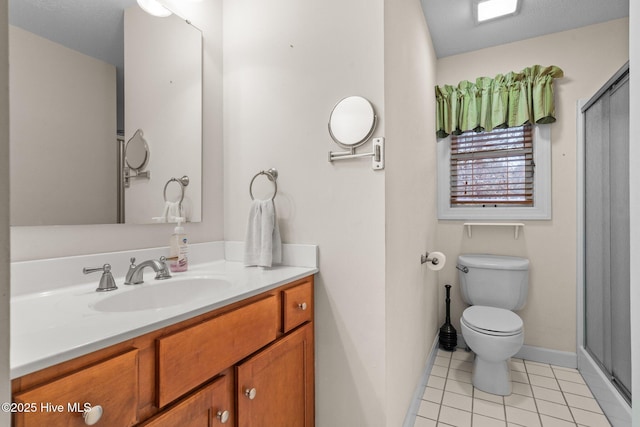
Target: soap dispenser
(178, 249)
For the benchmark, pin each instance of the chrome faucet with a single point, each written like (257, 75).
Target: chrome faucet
(106, 280)
(134, 274)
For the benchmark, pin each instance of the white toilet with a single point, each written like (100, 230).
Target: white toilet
(494, 286)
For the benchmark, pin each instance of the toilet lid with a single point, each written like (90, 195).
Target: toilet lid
(492, 320)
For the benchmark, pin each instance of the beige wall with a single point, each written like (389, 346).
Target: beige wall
(5, 384)
(589, 56)
(45, 242)
(286, 63)
(62, 102)
(410, 208)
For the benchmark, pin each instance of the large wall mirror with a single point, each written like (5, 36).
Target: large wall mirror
(86, 78)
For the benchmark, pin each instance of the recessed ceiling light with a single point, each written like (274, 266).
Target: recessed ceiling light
(486, 10)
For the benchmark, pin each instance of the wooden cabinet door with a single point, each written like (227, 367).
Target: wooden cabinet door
(275, 386)
(210, 406)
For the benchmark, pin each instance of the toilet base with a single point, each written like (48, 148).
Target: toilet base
(492, 377)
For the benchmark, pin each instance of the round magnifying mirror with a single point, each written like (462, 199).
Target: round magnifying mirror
(137, 152)
(352, 121)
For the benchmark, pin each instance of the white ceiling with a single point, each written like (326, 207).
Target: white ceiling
(453, 30)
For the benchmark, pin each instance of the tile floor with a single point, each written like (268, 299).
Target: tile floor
(543, 396)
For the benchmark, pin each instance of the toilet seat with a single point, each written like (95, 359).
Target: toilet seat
(492, 321)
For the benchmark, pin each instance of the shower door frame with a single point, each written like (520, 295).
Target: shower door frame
(616, 408)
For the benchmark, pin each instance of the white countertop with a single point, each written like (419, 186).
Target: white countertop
(57, 325)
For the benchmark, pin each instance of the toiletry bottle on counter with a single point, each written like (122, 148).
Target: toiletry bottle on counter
(178, 249)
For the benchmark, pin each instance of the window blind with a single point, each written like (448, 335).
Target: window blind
(492, 169)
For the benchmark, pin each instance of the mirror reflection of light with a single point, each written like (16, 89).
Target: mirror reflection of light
(154, 7)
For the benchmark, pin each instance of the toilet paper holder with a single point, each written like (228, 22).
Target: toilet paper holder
(436, 259)
(425, 258)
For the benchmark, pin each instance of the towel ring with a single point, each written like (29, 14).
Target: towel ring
(184, 181)
(272, 175)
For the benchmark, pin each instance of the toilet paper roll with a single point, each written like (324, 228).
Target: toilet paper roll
(439, 265)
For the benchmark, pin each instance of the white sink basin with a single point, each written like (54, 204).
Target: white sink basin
(155, 295)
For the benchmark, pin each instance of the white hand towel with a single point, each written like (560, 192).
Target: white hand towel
(263, 246)
(172, 211)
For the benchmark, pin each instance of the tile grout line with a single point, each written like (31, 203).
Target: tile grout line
(473, 399)
(564, 397)
(504, 403)
(535, 402)
(444, 388)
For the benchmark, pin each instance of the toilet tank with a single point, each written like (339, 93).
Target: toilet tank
(494, 280)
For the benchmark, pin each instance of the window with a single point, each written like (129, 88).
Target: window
(503, 174)
(492, 168)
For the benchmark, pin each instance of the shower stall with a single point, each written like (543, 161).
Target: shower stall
(604, 329)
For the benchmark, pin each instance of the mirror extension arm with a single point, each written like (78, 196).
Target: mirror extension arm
(377, 162)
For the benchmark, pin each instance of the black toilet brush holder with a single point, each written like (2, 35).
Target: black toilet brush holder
(448, 337)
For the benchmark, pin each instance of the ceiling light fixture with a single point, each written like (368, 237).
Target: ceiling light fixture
(486, 10)
(154, 7)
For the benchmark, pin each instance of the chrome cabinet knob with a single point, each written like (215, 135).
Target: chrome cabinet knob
(223, 416)
(302, 306)
(250, 393)
(92, 415)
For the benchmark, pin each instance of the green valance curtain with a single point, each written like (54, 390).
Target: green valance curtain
(508, 100)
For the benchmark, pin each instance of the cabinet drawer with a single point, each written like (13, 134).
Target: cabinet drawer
(112, 384)
(192, 356)
(297, 305)
(210, 406)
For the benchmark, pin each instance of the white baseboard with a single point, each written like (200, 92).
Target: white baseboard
(539, 354)
(410, 418)
(544, 355)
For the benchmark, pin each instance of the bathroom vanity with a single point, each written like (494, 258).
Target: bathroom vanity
(246, 359)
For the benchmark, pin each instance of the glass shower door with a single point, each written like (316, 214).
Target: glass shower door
(607, 308)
